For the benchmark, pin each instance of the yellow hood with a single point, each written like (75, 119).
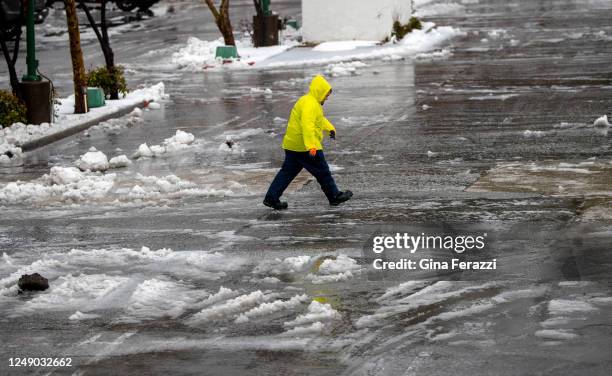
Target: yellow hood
(319, 87)
(307, 122)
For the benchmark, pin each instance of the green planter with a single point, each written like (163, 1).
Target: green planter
(226, 52)
(95, 97)
(294, 24)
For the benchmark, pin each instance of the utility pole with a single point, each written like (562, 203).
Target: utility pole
(35, 92)
(32, 63)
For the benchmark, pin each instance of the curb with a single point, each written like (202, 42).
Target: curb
(46, 140)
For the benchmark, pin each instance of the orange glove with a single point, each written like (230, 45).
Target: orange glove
(312, 152)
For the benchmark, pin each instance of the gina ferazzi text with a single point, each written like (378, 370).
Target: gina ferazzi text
(430, 264)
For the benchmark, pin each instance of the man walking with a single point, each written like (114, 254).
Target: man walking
(303, 148)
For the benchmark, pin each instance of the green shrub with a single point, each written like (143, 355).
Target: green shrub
(400, 31)
(104, 79)
(12, 109)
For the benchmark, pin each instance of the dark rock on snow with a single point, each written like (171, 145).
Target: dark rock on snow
(33, 282)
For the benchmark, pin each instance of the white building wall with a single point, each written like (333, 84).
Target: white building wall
(334, 20)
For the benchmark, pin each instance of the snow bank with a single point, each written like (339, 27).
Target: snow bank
(344, 45)
(198, 54)
(200, 265)
(114, 126)
(69, 185)
(63, 184)
(418, 41)
(13, 137)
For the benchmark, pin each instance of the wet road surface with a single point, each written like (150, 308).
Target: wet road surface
(493, 137)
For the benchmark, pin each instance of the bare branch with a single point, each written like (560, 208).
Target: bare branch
(213, 9)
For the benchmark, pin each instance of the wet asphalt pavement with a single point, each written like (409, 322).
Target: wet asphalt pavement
(435, 145)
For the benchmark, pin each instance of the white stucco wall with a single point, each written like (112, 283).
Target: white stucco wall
(333, 20)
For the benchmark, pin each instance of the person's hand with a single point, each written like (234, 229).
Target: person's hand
(312, 152)
(332, 135)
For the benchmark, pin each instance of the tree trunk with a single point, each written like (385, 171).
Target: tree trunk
(10, 63)
(78, 66)
(222, 19)
(109, 55)
(104, 40)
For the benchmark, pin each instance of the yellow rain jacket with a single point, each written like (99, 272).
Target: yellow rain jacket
(307, 122)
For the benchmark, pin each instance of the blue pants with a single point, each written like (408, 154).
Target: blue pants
(293, 164)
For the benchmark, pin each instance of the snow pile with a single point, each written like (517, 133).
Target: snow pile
(114, 126)
(230, 146)
(266, 309)
(319, 318)
(344, 45)
(200, 265)
(602, 122)
(63, 184)
(340, 264)
(155, 298)
(119, 161)
(153, 186)
(345, 69)
(82, 292)
(282, 267)
(69, 185)
(198, 54)
(9, 153)
(180, 141)
(93, 160)
(337, 269)
(13, 137)
(230, 308)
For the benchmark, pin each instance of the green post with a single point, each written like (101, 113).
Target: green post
(266, 7)
(32, 74)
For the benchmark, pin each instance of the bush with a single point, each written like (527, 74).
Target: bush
(104, 79)
(400, 31)
(12, 109)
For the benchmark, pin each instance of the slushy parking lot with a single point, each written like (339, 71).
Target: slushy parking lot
(483, 129)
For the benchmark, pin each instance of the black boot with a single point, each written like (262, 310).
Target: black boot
(341, 197)
(278, 205)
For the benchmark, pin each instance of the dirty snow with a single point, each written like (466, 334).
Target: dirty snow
(93, 160)
(11, 138)
(180, 141)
